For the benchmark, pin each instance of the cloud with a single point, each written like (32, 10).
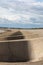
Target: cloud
(4, 13)
(21, 11)
(37, 8)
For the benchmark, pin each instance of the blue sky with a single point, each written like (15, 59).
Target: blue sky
(21, 13)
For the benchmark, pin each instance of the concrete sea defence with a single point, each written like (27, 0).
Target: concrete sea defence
(21, 50)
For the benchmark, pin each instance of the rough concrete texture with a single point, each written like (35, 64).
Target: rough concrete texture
(14, 51)
(26, 50)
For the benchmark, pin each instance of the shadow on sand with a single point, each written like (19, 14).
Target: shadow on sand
(16, 51)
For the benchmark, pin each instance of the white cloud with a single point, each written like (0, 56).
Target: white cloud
(38, 3)
(4, 13)
(20, 11)
(28, 1)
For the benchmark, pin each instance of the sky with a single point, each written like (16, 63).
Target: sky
(21, 13)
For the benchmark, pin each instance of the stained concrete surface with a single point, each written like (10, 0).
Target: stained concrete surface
(18, 51)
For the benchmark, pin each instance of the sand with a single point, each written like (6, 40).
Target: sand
(28, 34)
